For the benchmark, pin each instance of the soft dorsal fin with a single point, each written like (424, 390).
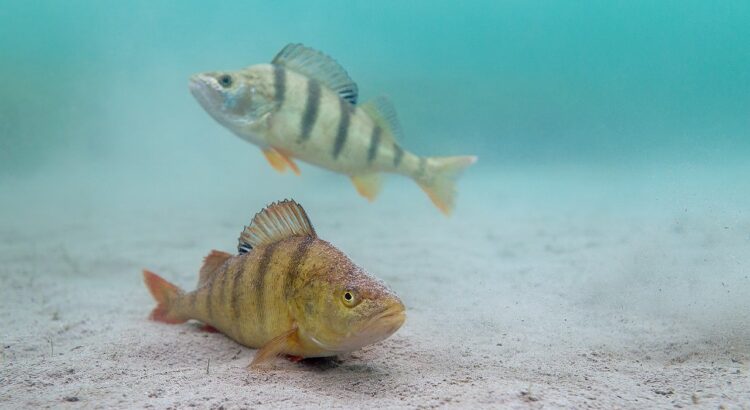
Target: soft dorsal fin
(278, 221)
(319, 66)
(211, 264)
(381, 110)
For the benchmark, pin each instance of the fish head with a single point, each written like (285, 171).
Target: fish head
(346, 309)
(236, 99)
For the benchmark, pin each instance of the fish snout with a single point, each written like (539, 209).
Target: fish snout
(394, 316)
(197, 82)
(205, 89)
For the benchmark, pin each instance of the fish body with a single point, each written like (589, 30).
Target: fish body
(304, 105)
(286, 292)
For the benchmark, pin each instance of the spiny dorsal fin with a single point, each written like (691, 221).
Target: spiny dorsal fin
(276, 222)
(319, 66)
(211, 264)
(381, 110)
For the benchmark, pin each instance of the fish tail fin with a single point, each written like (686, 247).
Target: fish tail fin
(439, 179)
(166, 294)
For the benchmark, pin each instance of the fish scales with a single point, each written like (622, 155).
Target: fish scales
(257, 283)
(286, 292)
(303, 106)
(253, 309)
(340, 133)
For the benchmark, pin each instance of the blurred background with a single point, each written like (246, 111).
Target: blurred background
(634, 109)
(620, 83)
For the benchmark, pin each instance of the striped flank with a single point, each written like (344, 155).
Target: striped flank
(216, 293)
(291, 271)
(260, 288)
(279, 84)
(398, 154)
(343, 130)
(239, 272)
(312, 106)
(374, 144)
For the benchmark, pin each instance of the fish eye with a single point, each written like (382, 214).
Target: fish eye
(349, 298)
(225, 80)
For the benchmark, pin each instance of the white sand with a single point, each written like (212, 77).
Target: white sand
(552, 289)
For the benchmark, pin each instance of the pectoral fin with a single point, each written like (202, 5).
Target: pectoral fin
(279, 161)
(274, 347)
(368, 185)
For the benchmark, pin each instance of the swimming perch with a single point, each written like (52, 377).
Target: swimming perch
(286, 292)
(303, 105)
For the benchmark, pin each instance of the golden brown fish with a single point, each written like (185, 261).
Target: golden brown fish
(304, 105)
(286, 292)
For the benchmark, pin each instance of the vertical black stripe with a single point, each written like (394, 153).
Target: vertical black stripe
(279, 83)
(220, 289)
(374, 144)
(398, 154)
(311, 109)
(422, 166)
(211, 298)
(260, 290)
(292, 271)
(343, 131)
(239, 269)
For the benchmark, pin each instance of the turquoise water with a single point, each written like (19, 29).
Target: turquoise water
(634, 110)
(515, 82)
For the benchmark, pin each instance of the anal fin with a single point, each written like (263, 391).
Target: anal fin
(274, 348)
(368, 185)
(280, 161)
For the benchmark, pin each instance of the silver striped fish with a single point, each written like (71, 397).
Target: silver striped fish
(303, 105)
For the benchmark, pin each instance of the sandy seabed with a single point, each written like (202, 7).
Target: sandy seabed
(530, 296)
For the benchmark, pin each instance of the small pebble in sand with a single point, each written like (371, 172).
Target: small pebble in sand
(528, 396)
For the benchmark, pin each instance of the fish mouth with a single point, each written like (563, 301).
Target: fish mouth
(379, 327)
(388, 320)
(197, 84)
(204, 90)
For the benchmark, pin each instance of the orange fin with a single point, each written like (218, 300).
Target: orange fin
(280, 161)
(441, 184)
(295, 359)
(209, 329)
(211, 264)
(165, 294)
(368, 185)
(274, 347)
(289, 161)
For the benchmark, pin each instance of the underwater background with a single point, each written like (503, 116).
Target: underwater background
(520, 83)
(612, 189)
